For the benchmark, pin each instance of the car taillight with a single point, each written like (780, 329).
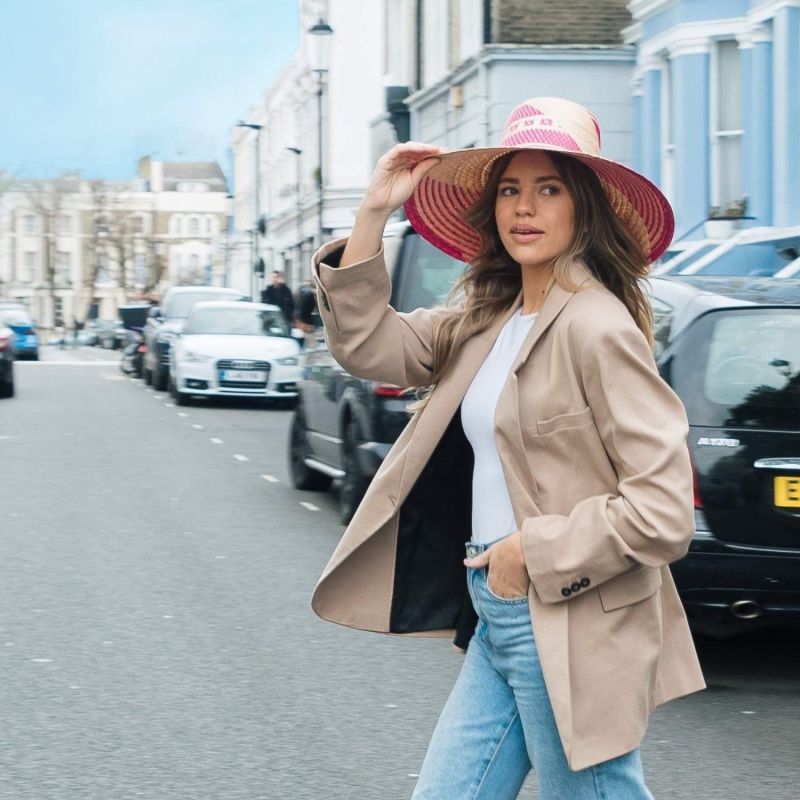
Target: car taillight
(698, 500)
(388, 390)
(5, 342)
(142, 348)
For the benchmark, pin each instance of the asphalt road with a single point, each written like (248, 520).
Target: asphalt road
(156, 639)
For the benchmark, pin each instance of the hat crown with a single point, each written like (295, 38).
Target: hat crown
(559, 124)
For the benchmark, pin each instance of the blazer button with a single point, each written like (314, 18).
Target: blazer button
(576, 587)
(585, 582)
(566, 591)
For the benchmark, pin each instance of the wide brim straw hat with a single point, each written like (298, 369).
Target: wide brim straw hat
(437, 206)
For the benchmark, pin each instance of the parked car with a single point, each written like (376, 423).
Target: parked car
(344, 426)
(235, 349)
(165, 322)
(729, 347)
(6, 361)
(753, 252)
(26, 338)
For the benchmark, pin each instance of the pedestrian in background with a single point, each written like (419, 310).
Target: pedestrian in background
(306, 306)
(544, 436)
(279, 294)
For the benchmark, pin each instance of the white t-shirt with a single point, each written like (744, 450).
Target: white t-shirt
(492, 515)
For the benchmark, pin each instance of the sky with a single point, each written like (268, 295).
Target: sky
(93, 85)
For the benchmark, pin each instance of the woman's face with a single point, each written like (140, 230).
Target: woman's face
(533, 210)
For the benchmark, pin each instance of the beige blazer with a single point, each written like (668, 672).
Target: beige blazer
(593, 447)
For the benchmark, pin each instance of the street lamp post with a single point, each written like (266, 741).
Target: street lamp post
(256, 205)
(320, 52)
(298, 199)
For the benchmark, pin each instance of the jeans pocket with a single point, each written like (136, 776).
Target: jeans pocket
(509, 600)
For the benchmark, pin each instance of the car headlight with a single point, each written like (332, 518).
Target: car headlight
(190, 355)
(288, 361)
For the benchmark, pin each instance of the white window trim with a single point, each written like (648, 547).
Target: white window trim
(667, 145)
(716, 135)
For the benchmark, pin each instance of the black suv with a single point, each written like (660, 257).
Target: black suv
(343, 426)
(730, 348)
(165, 322)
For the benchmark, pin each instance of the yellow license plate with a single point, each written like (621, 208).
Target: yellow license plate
(787, 491)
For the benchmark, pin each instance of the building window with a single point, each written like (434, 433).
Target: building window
(176, 223)
(726, 124)
(194, 261)
(140, 269)
(29, 223)
(29, 267)
(435, 50)
(209, 225)
(64, 225)
(194, 226)
(137, 224)
(470, 23)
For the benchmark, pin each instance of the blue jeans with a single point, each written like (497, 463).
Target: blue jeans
(498, 722)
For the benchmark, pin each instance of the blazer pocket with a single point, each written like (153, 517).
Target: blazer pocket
(631, 587)
(572, 420)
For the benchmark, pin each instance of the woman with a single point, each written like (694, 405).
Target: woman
(546, 437)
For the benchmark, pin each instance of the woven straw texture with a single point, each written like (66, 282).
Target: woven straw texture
(448, 190)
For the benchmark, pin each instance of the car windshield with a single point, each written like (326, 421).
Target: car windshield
(755, 258)
(744, 369)
(240, 322)
(14, 317)
(179, 305)
(430, 275)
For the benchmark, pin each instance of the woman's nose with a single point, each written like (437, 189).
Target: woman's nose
(526, 203)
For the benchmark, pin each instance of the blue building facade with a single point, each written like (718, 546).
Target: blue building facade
(717, 107)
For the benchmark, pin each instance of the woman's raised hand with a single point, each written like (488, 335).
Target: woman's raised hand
(396, 175)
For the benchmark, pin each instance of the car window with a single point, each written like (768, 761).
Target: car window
(755, 258)
(14, 317)
(742, 368)
(179, 305)
(238, 322)
(426, 275)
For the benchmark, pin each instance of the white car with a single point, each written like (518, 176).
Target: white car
(235, 349)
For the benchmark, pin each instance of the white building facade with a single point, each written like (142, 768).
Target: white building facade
(72, 248)
(284, 134)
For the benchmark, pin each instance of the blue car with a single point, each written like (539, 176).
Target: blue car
(25, 338)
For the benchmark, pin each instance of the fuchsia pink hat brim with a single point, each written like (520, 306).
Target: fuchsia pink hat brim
(437, 206)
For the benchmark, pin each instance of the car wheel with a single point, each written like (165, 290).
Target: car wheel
(7, 389)
(159, 379)
(303, 477)
(147, 376)
(354, 484)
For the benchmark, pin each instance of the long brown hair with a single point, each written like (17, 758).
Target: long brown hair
(492, 281)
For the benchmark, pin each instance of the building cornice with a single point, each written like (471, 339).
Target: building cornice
(767, 10)
(645, 8)
(755, 34)
(499, 53)
(692, 37)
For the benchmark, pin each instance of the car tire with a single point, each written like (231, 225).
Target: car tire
(180, 398)
(159, 379)
(147, 376)
(354, 484)
(7, 388)
(302, 476)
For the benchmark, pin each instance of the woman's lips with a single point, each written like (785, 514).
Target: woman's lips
(526, 235)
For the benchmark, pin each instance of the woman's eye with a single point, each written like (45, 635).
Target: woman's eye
(506, 191)
(550, 190)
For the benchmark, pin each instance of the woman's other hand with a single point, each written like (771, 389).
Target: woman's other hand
(396, 175)
(507, 574)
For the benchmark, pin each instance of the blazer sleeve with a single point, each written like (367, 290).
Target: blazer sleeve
(650, 518)
(363, 332)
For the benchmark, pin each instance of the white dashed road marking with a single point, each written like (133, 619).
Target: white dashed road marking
(240, 457)
(182, 414)
(197, 427)
(309, 506)
(215, 441)
(270, 478)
